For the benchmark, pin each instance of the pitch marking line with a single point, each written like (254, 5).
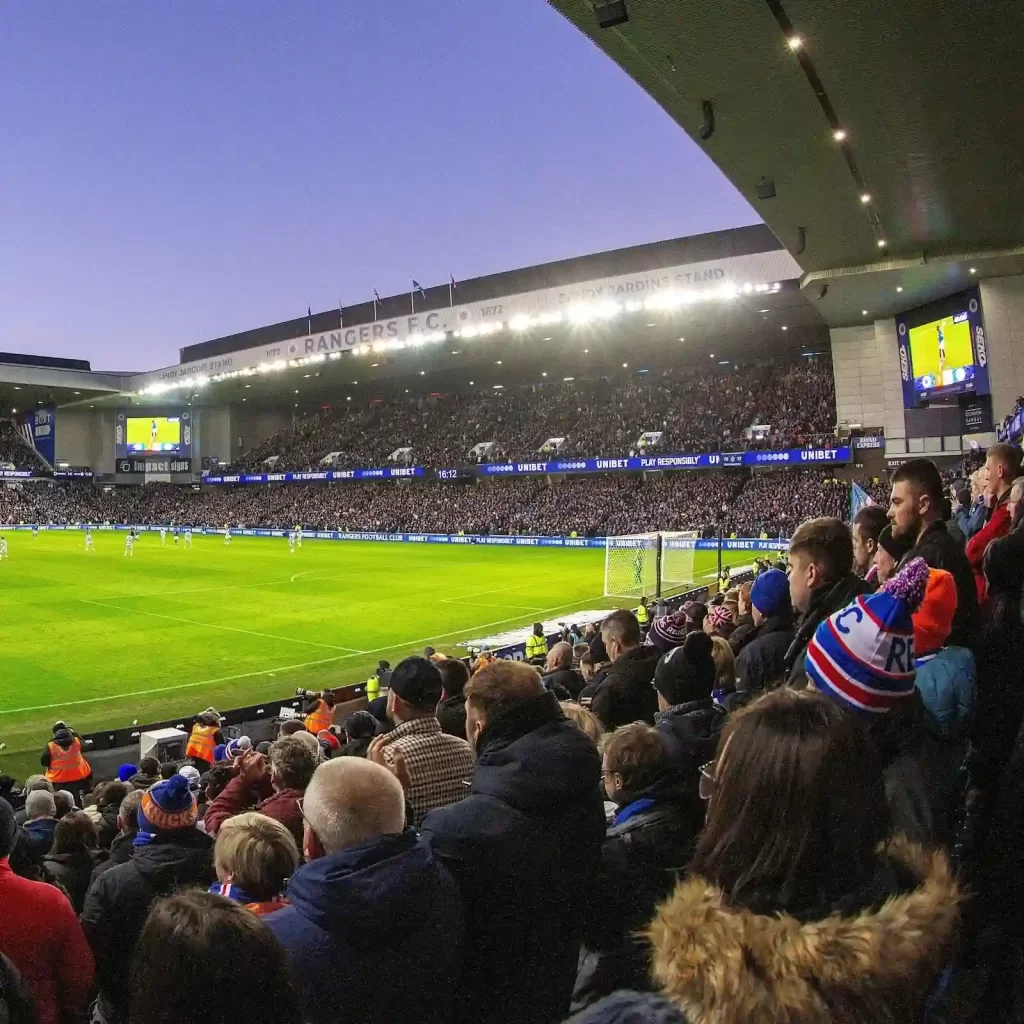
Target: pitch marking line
(284, 668)
(212, 625)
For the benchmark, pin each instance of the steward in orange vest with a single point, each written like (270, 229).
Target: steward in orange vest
(322, 715)
(205, 736)
(66, 767)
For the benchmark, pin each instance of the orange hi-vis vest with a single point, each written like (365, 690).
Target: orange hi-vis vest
(67, 765)
(201, 743)
(320, 718)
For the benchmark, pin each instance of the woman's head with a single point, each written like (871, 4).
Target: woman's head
(725, 660)
(585, 719)
(797, 806)
(197, 942)
(75, 833)
(256, 853)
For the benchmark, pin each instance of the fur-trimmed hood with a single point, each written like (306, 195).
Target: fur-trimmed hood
(723, 965)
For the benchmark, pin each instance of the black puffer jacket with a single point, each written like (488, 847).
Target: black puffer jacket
(567, 679)
(625, 694)
(640, 861)
(742, 634)
(74, 872)
(824, 603)
(762, 662)
(690, 733)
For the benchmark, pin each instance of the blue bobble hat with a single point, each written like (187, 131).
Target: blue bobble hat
(126, 771)
(770, 593)
(863, 655)
(166, 806)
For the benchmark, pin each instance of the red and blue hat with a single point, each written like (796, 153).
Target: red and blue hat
(863, 655)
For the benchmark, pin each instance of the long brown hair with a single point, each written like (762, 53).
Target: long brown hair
(798, 807)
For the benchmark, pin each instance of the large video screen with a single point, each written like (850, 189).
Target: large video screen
(941, 354)
(154, 434)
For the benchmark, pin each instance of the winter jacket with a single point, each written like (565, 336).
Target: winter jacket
(107, 826)
(940, 551)
(874, 957)
(238, 796)
(43, 939)
(118, 903)
(971, 522)
(625, 694)
(523, 846)
(121, 850)
(996, 526)
(651, 839)
(74, 872)
(690, 733)
(945, 681)
(762, 662)
(742, 634)
(16, 1003)
(375, 933)
(568, 679)
(142, 782)
(824, 602)
(451, 713)
(40, 836)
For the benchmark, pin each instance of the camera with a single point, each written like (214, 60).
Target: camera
(311, 694)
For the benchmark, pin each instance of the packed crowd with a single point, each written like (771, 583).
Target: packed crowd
(695, 410)
(768, 807)
(14, 452)
(771, 502)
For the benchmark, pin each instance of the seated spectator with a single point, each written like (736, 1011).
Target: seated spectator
(796, 885)
(587, 670)
(108, 803)
(688, 720)
(585, 719)
(32, 783)
(821, 581)
(170, 854)
(451, 711)
(63, 803)
(945, 675)
(651, 837)
(744, 620)
(1003, 464)
(868, 523)
(725, 665)
(438, 764)
(559, 676)
(168, 770)
(121, 849)
(624, 693)
(522, 846)
(254, 857)
(761, 663)
(41, 936)
(147, 775)
(860, 658)
(195, 944)
(271, 788)
(360, 728)
(74, 855)
(374, 928)
(888, 555)
(41, 823)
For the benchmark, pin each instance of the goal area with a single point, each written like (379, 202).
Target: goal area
(649, 564)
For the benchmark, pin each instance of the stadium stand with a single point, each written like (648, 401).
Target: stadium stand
(14, 452)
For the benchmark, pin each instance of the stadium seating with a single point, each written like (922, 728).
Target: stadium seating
(14, 451)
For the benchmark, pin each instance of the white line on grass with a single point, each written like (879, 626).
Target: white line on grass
(213, 625)
(284, 668)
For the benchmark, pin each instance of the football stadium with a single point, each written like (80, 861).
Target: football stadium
(723, 533)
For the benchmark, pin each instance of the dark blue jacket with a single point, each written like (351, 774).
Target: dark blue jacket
(40, 836)
(375, 933)
(523, 847)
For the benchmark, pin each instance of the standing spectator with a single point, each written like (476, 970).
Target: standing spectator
(868, 523)
(915, 512)
(170, 854)
(719, 621)
(64, 762)
(41, 823)
(744, 620)
(795, 887)
(438, 764)
(272, 789)
(559, 675)
(42, 937)
(522, 847)
(888, 555)
(624, 694)
(197, 945)
(821, 581)
(108, 803)
(374, 927)
(360, 728)
(121, 849)
(254, 857)
(970, 507)
(1003, 465)
(73, 856)
(762, 663)
(668, 631)
(451, 711)
(650, 839)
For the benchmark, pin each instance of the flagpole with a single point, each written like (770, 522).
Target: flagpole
(412, 298)
(309, 320)
(451, 290)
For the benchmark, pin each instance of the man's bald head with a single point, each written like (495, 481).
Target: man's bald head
(351, 801)
(560, 656)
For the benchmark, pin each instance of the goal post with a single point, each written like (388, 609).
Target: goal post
(648, 564)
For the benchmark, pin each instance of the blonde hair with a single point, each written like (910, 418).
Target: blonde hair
(585, 719)
(257, 853)
(724, 659)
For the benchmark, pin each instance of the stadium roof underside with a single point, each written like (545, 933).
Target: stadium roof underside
(922, 181)
(28, 381)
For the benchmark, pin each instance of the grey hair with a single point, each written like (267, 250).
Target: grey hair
(40, 802)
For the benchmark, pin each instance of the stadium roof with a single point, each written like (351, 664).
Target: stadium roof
(882, 142)
(27, 381)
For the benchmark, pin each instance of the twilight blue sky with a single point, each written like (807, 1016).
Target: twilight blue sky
(176, 170)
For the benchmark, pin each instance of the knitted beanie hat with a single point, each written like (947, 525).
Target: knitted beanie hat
(236, 747)
(191, 775)
(720, 616)
(667, 632)
(126, 771)
(933, 620)
(770, 593)
(863, 655)
(167, 805)
(687, 673)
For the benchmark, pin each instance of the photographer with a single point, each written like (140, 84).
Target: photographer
(318, 709)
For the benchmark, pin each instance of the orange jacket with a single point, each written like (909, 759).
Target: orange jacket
(201, 743)
(320, 718)
(67, 765)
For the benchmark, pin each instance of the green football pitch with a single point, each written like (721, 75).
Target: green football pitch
(102, 640)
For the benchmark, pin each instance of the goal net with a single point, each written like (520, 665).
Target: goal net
(677, 550)
(648, 564)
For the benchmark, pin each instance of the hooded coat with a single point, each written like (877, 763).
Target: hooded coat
(873, 964)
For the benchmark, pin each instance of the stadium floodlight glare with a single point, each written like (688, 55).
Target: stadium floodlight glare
(334, 355)
(795, 42)
(881, 243)
(520, 323)
(973, 270)
(633, 306)
(784, 327)
(899, 288)
(839, 135)
(568, 378)
(865, 197)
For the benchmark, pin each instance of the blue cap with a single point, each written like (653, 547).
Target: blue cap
(770, 593)
(126, 771)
